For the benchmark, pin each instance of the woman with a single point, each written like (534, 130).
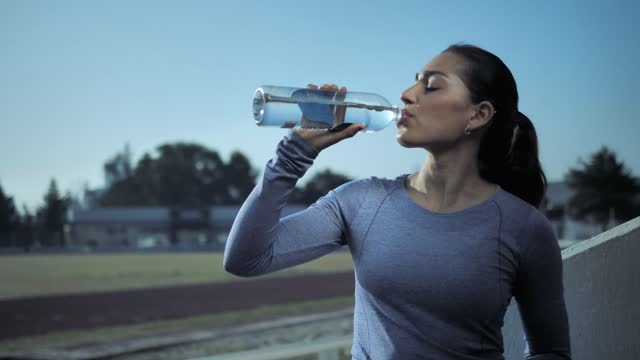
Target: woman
(438, 254)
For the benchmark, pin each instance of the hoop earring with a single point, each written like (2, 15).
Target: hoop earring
(467, 131)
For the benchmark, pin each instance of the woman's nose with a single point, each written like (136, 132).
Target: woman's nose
(406, 97)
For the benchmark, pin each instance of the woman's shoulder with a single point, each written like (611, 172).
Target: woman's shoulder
(528, 223)
(511, 206)
(356, 193)
(372, 184)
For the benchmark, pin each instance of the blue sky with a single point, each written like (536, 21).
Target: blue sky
(79, 79)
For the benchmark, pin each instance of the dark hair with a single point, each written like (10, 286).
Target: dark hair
(508, 154)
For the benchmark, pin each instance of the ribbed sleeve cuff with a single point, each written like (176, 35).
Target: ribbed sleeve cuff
(302, 144)
(294, 155)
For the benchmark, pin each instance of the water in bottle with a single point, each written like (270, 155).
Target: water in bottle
(288, 107)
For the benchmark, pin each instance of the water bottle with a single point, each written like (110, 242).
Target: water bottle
(289, 107)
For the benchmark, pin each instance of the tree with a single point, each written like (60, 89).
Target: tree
(240, 177)
(27, 230)
(603, 188)
(318, 186)
(52, 216)
(118, 167)
(183, 175)
(9, 219)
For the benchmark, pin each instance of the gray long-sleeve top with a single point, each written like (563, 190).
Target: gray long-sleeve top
(429, 285)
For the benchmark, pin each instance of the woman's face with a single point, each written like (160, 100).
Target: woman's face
(437, 107)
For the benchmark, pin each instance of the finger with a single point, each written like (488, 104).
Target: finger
(355, 128)
(312, 86)
(329, 87)
(342, 93)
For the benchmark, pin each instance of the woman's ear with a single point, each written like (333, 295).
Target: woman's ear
(484, 113)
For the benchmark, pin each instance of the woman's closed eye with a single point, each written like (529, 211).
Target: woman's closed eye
(425, 81)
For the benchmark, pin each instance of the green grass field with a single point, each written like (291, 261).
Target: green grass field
(36, 275)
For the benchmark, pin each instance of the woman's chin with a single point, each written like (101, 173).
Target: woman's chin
(404, 140)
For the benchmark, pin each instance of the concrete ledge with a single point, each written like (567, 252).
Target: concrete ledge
(602, 285)
(629, 228)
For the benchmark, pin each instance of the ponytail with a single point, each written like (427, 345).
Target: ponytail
(508, 156)
(523, 175)
(508, 153)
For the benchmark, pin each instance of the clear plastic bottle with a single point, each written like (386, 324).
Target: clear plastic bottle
(289, 107)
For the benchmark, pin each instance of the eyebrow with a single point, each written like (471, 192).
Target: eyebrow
(428, 73)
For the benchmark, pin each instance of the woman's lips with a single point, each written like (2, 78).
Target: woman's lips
(403, 118)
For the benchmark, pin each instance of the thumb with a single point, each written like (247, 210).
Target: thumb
(321, 140)
(349, 131)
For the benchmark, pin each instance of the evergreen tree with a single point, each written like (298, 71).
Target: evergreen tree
(27, 230)
(604, 190)
(52, 216)
(9, 219)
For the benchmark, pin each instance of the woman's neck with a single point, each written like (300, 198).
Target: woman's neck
(449, 182)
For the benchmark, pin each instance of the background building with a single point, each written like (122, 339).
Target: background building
(154, 227)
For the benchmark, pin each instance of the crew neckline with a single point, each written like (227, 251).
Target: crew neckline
(479, 206)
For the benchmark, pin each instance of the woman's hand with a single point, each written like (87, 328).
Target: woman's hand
(320, 139)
